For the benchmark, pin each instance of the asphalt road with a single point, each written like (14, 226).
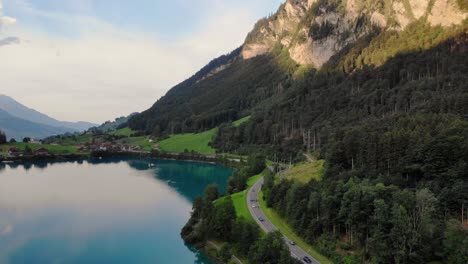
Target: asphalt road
(267, 226)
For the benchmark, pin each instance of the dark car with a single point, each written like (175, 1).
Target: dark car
(261, 219)
(307, 260)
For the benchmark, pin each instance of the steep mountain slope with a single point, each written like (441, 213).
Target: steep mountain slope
(218, 93)
(18, 110)
(343, 35)
(18, 128)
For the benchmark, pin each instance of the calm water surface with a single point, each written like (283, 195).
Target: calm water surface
(106, 211)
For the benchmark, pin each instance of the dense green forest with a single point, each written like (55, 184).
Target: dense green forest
(216, 220)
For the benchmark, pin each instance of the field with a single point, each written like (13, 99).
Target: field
(125, 132)
(53, 149)
(306, 171)
(288, 231)
(190, 142)
(72, 140)
(241, 121)
(142, 142)
(240, 200)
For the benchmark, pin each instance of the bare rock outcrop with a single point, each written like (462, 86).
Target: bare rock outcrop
(312, 31)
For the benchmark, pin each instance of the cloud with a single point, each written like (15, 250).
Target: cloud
(5, 20)
(9, 40)
(105, 71)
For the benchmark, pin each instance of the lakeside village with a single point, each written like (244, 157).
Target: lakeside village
(95, 143)
(48, 147)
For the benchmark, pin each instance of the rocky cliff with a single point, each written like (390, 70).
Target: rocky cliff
(315, 30)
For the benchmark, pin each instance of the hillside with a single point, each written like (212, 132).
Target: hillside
(116, 124)
(343, 35)
(218, 93)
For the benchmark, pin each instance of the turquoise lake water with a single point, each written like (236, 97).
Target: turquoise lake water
(103, 211)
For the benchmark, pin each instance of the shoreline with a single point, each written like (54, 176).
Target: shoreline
(188, 157)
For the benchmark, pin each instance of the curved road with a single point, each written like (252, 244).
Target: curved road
(267, 225)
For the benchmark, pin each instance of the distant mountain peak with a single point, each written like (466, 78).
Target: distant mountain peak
(20, 111)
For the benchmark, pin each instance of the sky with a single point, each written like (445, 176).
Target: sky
(95, 60)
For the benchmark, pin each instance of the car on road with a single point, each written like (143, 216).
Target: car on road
(261, 219)
(292, 243)
(307, 260)
(254, 206)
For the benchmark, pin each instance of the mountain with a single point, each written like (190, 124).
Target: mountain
(18, 128)
(313, 31)
(304, 37)
(116, 124)
(16, 109)
(375, 89)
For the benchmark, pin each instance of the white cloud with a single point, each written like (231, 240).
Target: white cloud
(106, 71)
(5, 20)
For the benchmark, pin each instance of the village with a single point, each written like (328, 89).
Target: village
(44, 148)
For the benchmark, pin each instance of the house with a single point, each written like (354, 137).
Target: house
(13, 151)
(41, 152)
(81, 148)
(34, 141)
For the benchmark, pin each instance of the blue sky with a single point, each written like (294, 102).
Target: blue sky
(169, 18)
(84, 59)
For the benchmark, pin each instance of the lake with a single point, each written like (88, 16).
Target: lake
(101, 211)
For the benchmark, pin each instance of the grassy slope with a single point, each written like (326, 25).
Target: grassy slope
(73, 141)
(142, 142)
(52, 148)
(241, 121)
(240, 200)
(289, 231)
(306, 171)
(126, 132)
(196, 142)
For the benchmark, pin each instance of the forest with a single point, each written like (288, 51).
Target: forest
(216, 220)
(395, 141)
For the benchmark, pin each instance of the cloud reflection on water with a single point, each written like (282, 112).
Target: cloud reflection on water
(101, 187)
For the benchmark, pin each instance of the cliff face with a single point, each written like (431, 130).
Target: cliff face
(315, 30)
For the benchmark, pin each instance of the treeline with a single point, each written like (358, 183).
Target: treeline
(214, 218)
(211, 220)
(238, 181)
(368, 221)
(3, 138)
